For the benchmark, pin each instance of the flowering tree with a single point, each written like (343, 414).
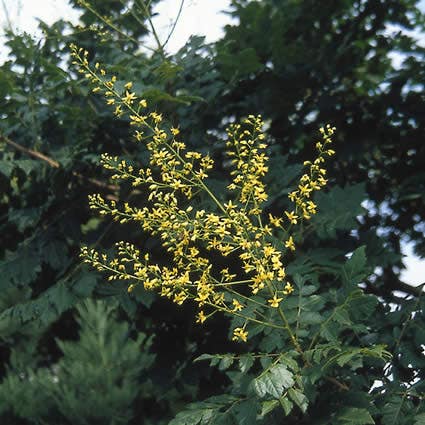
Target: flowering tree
(279, 314)
(238, 229)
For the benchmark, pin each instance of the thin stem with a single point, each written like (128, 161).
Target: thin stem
(246, 298)
(113, 26)
(293, 338)
(250, 319)
(174, 24)
(154, 33)
(6, 14)
(316, 336)
(234, 282)
(211, 195)
(407, 321)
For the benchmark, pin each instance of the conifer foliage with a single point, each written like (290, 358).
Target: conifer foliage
(98, 376)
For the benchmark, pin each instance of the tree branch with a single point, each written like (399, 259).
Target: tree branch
(396, 285)
(335, 381)
(55, 164)
(30, 152)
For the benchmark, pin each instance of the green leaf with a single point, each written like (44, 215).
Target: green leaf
(344, 358)
(167, 70)
(350, 353)
(311, 318)
(361, 306)
(205, 412)
(354, 416)
(25, 217)
(48, 306)
(143, 296)
(246, 412)
(20, 267)
(289, 361)
(226, 362)
(308, 290)
(27, 165)
(55, 254)
(155, 95)
(273, 381)
(354, 270)
(342, 317)
(420, 419)
(268, 406)
(329, 331)
(286, 404)
(193, 417)
(188, 99)
(6, 167)
(393, 410)
(298, 398)
(338, 208)
(242, 63)
(245, 362)
(204, 357)
(84, 285)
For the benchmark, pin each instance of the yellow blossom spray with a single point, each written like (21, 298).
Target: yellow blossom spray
(239, 227)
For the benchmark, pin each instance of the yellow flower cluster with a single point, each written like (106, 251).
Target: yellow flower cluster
(235, 228)
(247, 150)
(310, 181)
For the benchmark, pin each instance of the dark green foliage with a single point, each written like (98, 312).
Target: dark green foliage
(96, 380)
(361, 329)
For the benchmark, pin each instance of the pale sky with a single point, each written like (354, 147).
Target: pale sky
(201, 17)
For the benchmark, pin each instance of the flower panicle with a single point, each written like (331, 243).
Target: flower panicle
(173, 177)
(247, 152)
(313, 179)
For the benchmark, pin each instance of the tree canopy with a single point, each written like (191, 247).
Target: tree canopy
(78, 349)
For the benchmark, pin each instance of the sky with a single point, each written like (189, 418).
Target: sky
(200, 17)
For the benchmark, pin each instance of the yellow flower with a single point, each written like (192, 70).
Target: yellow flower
(180, 298)
(268, 250)
(240, 334)
(156, 117)
(128, 98)
(288, 289)
(314, 185)
(274, 302)
(237, 306)
(291, 217)
(129, 85)
(305, 190)
(281, 273)
(201, 317)
(275, 221)
(175, 131)
(293, 195)
(290, 244)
